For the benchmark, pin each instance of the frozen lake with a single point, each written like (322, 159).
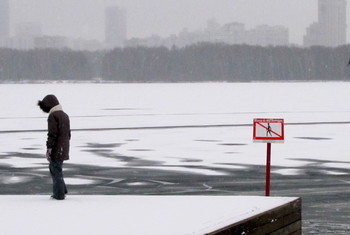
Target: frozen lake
(186, 139)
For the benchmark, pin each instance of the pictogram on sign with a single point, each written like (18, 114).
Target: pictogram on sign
(268, 130)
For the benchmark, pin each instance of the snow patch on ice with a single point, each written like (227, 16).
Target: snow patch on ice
(78, 181)
(336, 173)
(187, 170)
(14, 179)
(338, 165)
(287, 171)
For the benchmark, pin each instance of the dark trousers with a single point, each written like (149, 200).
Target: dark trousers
(59, 187)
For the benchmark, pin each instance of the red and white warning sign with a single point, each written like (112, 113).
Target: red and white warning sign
(268, 130)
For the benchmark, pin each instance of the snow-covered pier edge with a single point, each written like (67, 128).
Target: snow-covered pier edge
(283, 219)
(110, 214)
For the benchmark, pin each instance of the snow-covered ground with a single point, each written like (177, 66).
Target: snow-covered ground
(140, 107)
(132, 215)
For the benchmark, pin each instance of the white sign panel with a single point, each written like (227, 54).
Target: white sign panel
(268, 130)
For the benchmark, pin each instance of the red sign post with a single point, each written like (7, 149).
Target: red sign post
(268, 131)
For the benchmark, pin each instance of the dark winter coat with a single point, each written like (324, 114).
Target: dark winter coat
(59, 133)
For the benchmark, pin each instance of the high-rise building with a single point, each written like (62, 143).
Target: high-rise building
(115, 27)
(4, 19)
(330, 30)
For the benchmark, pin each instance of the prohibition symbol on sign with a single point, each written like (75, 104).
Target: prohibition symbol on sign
(268, 130)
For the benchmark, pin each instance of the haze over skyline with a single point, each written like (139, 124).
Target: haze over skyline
(85, 18)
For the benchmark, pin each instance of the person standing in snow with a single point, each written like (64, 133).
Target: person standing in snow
(57, 143)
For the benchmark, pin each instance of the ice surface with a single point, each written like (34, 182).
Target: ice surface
(193, 128)
(151, 113)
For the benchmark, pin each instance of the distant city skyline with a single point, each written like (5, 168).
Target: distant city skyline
(330, 29)
(231, 34)
(85, 18)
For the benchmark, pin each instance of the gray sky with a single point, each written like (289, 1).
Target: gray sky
(85, 18)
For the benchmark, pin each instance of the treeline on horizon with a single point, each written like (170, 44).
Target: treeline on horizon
(202, 62)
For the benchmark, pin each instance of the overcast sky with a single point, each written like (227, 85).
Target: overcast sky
(85, 18)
